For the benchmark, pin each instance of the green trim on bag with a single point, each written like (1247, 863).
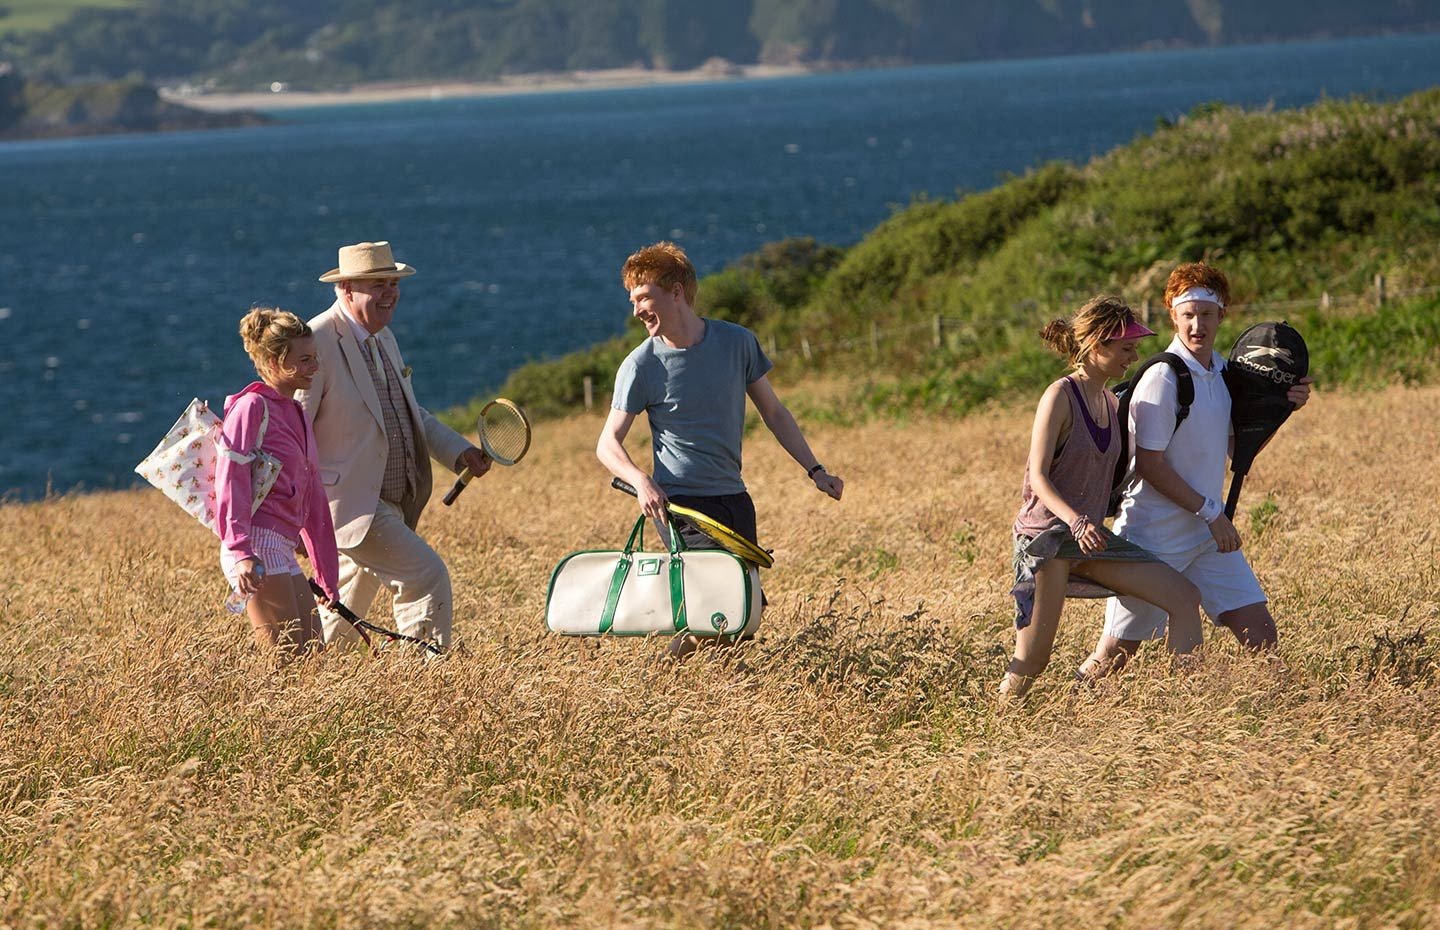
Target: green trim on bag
(677, 576)
(620, 575)
(612, 597)
(677, 590)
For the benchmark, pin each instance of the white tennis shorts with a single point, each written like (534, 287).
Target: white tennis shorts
(271, 547)
(1225, 580)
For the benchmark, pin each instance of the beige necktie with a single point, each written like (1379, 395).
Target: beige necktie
(372, 345)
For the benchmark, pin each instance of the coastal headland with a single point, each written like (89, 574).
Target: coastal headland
(281, 97)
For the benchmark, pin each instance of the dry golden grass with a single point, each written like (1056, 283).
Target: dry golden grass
(852, 771)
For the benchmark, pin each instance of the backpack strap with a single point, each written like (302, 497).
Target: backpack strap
(1184, 397)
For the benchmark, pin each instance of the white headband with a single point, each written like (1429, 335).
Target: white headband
(1195, 294)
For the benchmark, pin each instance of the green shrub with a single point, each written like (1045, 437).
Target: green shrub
(555, 387)
(1290, 204)
(779, 276)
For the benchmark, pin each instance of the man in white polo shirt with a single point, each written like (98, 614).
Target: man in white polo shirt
(1172, 505)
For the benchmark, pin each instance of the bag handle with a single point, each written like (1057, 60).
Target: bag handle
(621, 573)
(244, 458)
(264, 425)
(637, 536)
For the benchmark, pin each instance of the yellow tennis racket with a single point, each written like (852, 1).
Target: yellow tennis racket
(728, 539)
(504, 435)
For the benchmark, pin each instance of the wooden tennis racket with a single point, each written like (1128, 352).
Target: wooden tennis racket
(504, 435)
(361, 625)
(728, 539)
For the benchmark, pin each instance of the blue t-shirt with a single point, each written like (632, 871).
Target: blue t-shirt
(695, 399)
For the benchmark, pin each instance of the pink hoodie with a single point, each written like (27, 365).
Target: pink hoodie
(296, 505)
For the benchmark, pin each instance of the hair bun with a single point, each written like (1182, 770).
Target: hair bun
(254, 324)
(1059, 335)
(266, 333)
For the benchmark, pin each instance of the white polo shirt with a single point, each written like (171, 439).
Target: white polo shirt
(1197, 450)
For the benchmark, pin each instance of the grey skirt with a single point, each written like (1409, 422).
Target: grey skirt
(1031, 552)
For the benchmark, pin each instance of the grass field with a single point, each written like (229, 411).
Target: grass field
(32, 15)
(849, 771)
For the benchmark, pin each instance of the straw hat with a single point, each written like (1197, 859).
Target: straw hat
(367, 260)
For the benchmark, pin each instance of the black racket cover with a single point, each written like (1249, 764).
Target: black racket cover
(1264, 363)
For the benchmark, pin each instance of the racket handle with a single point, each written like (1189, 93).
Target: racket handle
(338, 607)
(460, 483)
(620, 484)
(345, 613)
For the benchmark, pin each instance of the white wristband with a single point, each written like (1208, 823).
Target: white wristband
(1209, 510)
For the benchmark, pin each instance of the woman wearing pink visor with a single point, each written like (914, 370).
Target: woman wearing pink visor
(1062, 547)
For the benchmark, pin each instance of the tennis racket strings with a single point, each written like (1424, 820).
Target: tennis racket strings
(504, 435)
(504, 432)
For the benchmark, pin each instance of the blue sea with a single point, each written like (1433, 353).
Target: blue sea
(126, 261)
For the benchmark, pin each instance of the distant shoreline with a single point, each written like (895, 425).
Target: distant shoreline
(605, 79)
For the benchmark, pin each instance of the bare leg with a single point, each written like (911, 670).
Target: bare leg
(264, 614)
(276, 614)
(1035, 642)
(1252, 625)
(1162, 586)
(309, 635)
(685, 645)
(1110, 656)
(682, 646)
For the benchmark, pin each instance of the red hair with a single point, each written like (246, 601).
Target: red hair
(1197, 274)
(664, 265)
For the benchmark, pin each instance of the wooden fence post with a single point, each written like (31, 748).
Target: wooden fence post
(939, 331)
(1324, 300)
(805, 348)
(1145, 312)
(774, 346)
(589, 392)
(1379, 290)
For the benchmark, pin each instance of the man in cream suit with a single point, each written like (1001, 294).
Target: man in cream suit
(375, 443)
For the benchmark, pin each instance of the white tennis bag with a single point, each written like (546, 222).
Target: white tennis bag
(703, 592)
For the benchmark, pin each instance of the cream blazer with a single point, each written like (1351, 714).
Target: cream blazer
(350, 428)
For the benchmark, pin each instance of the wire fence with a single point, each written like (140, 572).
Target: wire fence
(940, 330)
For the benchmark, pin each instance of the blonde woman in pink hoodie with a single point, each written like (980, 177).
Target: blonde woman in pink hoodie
(257, 552)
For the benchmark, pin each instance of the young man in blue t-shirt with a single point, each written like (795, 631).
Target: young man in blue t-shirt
(691, 378)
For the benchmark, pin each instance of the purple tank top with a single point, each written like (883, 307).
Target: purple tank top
(1081, 471)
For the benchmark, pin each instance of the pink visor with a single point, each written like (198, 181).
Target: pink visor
(1133, 330)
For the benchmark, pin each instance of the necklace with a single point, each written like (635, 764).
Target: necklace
(1095, 403)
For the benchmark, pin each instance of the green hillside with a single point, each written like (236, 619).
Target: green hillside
(38, 15)
(250, 43)
(1293, 205)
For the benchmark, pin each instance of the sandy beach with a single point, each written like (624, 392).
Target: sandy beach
(282, 98)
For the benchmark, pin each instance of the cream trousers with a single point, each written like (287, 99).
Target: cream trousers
(393, 555)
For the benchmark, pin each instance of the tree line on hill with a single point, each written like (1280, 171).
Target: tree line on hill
(1293, 204)
(320, 43)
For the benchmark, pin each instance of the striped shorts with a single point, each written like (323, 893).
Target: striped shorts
(271, 547)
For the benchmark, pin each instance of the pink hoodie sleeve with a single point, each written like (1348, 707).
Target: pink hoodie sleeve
(318, 534)
(233, 490)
